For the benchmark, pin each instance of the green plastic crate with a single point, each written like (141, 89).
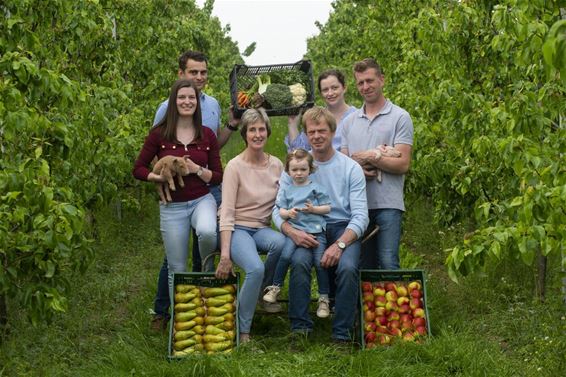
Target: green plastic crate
(387, 276)
(201, 279)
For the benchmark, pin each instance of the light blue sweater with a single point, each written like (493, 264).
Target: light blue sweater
(345, 184)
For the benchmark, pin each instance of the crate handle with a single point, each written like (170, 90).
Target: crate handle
(213, 255)
(369, 235)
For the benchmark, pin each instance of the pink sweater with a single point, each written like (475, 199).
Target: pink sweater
(248, 193)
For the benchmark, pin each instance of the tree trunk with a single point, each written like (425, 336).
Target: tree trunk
(3, 317)
(540, 285)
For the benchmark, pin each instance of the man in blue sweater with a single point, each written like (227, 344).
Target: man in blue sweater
(344, 181)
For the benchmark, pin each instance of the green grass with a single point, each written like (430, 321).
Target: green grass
(488, 325)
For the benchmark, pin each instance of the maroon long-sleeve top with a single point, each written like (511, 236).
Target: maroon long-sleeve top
(204, 152)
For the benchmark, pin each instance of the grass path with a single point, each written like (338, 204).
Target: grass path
(487, 326)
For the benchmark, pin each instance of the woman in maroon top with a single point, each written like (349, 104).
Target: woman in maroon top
(181, 134)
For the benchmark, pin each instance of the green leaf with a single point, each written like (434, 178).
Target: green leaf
(517, 201)
(495, 249)
(50, 269)
(38, 152)
(527, 252)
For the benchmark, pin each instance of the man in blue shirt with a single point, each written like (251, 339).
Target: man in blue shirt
(344, 181)
(193, 65)
(377, 123)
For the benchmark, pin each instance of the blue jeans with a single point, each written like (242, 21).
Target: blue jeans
(161, 302)
(197, 261)
(176, 222)
(347, 279)
(285, 262)
(245, 246)
(382, 251)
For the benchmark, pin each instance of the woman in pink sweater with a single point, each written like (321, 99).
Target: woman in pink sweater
(182, 134)
(248, 194)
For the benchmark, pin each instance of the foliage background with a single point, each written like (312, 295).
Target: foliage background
(80, 81)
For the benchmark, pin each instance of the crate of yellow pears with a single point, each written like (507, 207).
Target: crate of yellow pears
(204, 318)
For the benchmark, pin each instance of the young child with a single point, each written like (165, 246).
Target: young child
(303, 204)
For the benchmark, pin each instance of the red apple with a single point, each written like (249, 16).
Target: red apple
(405, 308)
(405, 317)
(391, 296)
(381, 320)
(405, 325)
(382, 330)
(379, 291)
(415, 293)
(395, 332)
(370, 327)
(366, 286)
(369, 305)
(378, 284)
(380, 310)
(380, 301)
(394, 324)
(369, 316)
(370, 337)
(409, 336)
(414, 285)
(418, 312)
(415, 303)
(370, 345)
(368, 296)
(419, 321)
(391, 306)
(403, 300)
(402, 291)
(390, 286)
(393, 316)
(384, 339)
(421, 330)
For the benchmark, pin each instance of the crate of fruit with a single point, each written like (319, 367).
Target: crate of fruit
(281, 89)
(393, 307)
(204, 318)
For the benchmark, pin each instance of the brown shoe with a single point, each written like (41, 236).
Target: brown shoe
(159, 323)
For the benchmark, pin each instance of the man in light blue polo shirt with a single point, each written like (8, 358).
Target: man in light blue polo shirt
(378, 123)
(344, 181)
(193, 65)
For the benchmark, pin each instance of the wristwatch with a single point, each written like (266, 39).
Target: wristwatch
(231, 128)
(199, 171)
(341, 244)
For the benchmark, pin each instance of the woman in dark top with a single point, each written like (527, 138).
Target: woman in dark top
(181, 134)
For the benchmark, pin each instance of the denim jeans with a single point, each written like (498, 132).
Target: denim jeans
(347, 276)
(285, 262)
(197, 261)
(382, 251)
(161, 302)
(245, 246)
(176, 222)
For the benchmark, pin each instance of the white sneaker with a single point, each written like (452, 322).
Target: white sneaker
(323, 310)
(272, 293)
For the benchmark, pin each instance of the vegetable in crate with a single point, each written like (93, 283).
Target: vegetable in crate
(299, 94)
(278, 96)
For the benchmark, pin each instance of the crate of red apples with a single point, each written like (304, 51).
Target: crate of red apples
(393, 307)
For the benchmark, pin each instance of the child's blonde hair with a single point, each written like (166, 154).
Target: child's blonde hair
(300, 154)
